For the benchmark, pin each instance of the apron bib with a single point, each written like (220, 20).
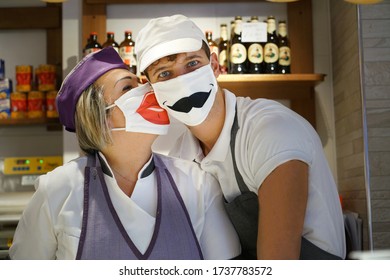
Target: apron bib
(104, 237)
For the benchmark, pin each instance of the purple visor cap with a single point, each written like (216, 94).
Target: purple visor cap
(85, 73)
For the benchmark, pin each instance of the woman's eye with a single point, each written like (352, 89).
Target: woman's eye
(127, 88)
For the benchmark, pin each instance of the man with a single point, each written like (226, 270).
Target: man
(280, 193)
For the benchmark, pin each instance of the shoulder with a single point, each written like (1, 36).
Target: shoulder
(63, 179)
(271, 122)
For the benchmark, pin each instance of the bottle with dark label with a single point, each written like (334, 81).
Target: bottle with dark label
(255, 54)
(237, 55)
(126, 51)
(223, 48)
(284, 49)
(271, 49)
(111, 41)
(212, 44)
(92, 45)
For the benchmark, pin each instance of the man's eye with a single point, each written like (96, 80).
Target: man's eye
(193, 63)
(163, 75)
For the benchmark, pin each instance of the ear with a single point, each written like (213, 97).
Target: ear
(215, 64)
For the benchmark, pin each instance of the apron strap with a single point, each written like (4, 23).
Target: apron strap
(240, 181)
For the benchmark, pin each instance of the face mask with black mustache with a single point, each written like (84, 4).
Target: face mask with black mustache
(189, 97)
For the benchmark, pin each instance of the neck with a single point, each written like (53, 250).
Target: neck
(208, 131)
(127, 157)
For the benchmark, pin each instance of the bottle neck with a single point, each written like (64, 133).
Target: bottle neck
(224, 35)
(282, 30)
(238, 27)
(271, 26)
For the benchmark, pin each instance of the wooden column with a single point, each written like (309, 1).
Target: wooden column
(300, 29)
(94, 20)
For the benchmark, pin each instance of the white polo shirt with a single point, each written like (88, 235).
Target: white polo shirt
(271, 134)
(50, 226)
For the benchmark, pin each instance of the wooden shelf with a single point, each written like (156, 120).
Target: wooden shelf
(308, 79)
(274, 86)
(52, 124)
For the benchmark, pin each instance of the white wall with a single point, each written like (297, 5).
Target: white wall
(325, 120)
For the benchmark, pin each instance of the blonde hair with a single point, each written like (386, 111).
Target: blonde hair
(92, 129)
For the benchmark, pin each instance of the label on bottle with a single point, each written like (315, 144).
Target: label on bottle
(284, 56)
(237, 53)
(271, 53)
(255, 53)
(254, 32)
(222, 58)
(127, 55)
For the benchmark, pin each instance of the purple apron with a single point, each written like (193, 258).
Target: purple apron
(104, 237)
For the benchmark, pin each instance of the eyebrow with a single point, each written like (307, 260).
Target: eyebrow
(121, 79)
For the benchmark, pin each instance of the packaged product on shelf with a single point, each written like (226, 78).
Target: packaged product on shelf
(111, 41)
(254, 35)
(284, 49)
(18, 105)
(45, 76)
(5, 102)
(35, 104)
(92, 45)
(24, 78)
(237, 53)
(51, 109)
(212, 44)
(223, 49)
(127, 53)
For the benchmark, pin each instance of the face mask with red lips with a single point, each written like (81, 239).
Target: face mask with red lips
(142, 112)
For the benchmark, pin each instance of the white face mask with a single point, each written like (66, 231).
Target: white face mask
(142, 112)
(188, 97)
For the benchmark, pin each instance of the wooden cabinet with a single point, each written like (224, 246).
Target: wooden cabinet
(50, 19)
(297, 87)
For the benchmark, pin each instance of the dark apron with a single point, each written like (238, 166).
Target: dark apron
(104, 237)
(243, 212)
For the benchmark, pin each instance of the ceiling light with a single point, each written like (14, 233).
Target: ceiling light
(54, 1)
(364, 1)
(282, 1)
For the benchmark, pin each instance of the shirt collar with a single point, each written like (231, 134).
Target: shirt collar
(146, 170)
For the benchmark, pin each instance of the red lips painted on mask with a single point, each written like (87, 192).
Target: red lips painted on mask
(151, 111)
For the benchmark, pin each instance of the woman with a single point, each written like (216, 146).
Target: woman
(121, 201)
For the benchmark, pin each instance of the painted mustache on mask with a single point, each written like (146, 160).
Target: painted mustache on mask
(195, 100)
